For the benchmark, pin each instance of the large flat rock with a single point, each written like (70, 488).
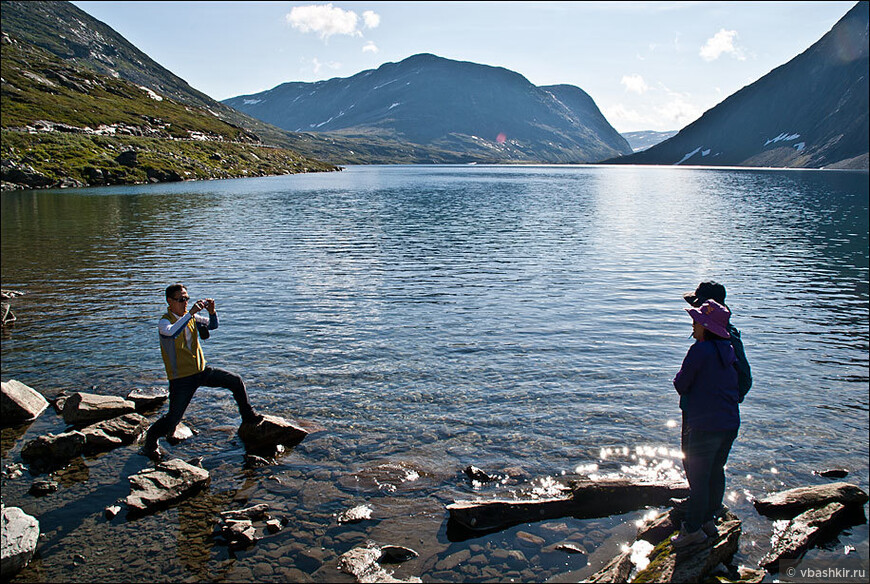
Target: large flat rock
(792, 502)
(83, 408)
(115, 432)
(20, 403)
(792, 540)
(167, 483)
(47, 451)
(582, 499)
(18, 538)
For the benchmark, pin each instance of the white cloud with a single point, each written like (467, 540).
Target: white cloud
(327, 20)
(635, 84)
(370, 47)
(371, 19)
(318, 66)
(720, 43)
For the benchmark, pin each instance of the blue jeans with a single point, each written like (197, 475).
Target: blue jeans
(706, 453)
(181, 391)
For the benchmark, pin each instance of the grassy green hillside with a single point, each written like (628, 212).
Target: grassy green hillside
(65, 125)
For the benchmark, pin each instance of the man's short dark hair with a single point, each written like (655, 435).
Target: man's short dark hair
(173, 289)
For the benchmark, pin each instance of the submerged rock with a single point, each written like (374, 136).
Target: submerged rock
(790, 503)
(87, 408)
(833, 473)
(20, 403)
(167, 483)
(19, 534)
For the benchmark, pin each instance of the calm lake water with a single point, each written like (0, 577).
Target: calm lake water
(526, 320)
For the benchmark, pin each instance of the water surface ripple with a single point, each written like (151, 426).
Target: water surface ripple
(527, 320)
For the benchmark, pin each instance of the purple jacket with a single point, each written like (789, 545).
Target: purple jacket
(707, 384)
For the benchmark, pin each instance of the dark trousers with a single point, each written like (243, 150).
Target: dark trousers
(705, 453)
(181, 391)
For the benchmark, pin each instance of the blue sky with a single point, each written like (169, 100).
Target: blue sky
(648, 65)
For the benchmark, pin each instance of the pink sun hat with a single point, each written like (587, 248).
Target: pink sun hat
(712, 316)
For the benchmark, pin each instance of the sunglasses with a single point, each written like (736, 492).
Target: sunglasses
(183, 299)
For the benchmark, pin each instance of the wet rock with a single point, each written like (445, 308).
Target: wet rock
(477, 474)
(584, 499)
(6, 314)
(13, 471)
(59, 401)
(238, 532)
(168, 482)
(112, 511)
(396, 554)
(148, 398)
(569, 548)
(792, 539)
(254, 461)
(42, 487)
(355, 515)
(833, 473)
(274, 525)
(18, 538)
(47, 451)
(792, 502)
(254, 513)
(362, 564)
(20, 403)
(87, 408)
(270, 432)
(181, 433)
(529, 539)
(115, 432)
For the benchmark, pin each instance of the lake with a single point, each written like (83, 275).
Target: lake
(525, 320)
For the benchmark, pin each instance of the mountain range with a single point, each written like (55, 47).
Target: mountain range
(488, 113)
(811, 112)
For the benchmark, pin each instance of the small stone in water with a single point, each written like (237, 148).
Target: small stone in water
(396, 554)
(834, 473)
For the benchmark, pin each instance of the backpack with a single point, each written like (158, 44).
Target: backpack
(744, 373)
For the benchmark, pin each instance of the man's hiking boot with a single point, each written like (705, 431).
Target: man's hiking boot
(155, 453)
(710, 528)
(253, 418)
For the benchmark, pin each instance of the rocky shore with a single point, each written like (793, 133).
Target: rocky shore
(803, 517)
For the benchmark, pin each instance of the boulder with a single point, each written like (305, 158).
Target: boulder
(127, 158)
(18, 538)
(82, 408)
(44, 452)
(167, 483)
(583, 499)
(115, 432)
(146, 399)
(791, 540)
(270, 432)
(20, 403)
(792, 502)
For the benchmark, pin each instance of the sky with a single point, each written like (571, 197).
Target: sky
(648, 65)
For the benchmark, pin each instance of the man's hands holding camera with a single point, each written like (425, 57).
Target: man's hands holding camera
(207, 303)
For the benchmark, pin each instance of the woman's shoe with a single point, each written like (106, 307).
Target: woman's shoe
(685, 539)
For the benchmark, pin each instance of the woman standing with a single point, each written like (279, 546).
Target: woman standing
(709, 397)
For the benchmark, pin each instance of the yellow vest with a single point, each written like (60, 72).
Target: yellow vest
(180, 358)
